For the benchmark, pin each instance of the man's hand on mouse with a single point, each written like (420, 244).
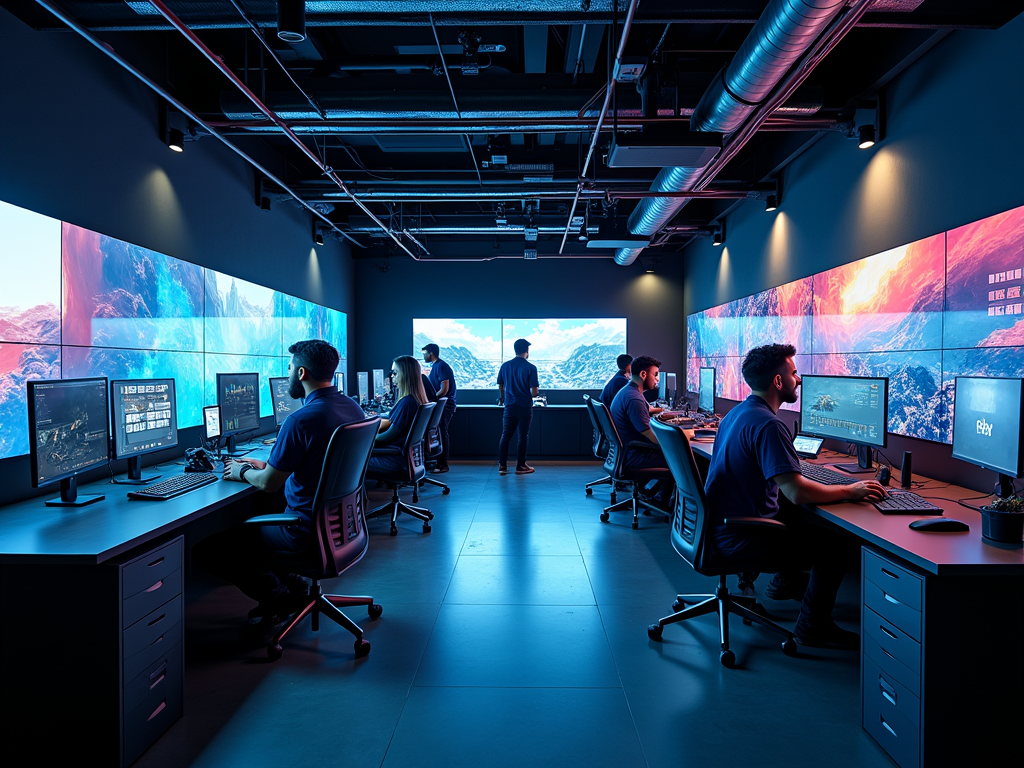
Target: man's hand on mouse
(871, 490)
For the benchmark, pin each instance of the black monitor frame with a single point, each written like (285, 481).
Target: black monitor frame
(700, 389)
(339, 382)
(1004, 484)
(231, 435)
(378, 396)
(134, 468)
(363, 381)
(206, 431)
(69, 496)
(864, 457)
(670, 389)
(273, 399)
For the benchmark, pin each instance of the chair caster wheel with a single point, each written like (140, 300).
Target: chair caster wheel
(445, 491)
(677, 606)
(728, 659)
(426, 528)
(605, 517)
(274, 651)
(590, 491)
(362, 648)
(375, 611)
(654, 632)
(613, 497)
(635, 525)
(394, 530)
(789, 647)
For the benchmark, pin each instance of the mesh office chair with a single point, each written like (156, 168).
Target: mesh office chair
(340, 534)
(434, 449)
(615, 466)
(600, 449)
(690, 532)
(413, 471)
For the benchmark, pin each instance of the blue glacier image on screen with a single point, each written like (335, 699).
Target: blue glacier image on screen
(569, 353)
(301, 320)
(240, 317)
(18, 364)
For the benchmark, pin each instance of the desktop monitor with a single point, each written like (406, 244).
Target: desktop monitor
(378, 383)
(68, 422)
(238, 395)
(987, 426)
(706, 391)
(211, 422)
(363, 379)
(283, 402)
(853, 409)
(339, 382)
(144, 420)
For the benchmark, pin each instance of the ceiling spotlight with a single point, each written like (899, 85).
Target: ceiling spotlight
(717, 239)
(291, 20)
(771, 203)
(265, 204)
(584, 236)
(866, 136)
(176, 140)
(318, 237)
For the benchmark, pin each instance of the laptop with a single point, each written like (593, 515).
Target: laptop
(808, 446)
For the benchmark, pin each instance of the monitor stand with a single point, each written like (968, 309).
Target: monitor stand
(232, 448)
(863, 465)
(135, 474)
(69, 495)
(1004, 487)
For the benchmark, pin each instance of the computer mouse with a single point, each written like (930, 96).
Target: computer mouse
(939, 524)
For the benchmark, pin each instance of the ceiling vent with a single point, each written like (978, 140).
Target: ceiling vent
(659, 150)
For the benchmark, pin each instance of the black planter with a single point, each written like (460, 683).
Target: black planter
(1007, 527)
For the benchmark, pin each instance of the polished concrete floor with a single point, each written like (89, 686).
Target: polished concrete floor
(514, 634)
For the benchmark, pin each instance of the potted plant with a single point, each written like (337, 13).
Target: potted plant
(1003, 520)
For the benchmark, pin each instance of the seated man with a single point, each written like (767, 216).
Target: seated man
(244, 555)
(618, 381)
(753, 460)
(631, 414)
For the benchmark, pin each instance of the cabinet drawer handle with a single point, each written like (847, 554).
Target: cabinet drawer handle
(890, 574)
(158, 619)
(162, 677)
(161, 639)
(887, 726)
(156, 586)
(156, 562)
(888, 632)
(163, 668)
(890, 598)
(163, 705)
(888, 692)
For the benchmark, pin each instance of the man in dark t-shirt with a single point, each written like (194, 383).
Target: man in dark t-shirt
(631, 414)
(244, 555)
(517, 386)
(753, 461)
(442, 379)
(618, 381)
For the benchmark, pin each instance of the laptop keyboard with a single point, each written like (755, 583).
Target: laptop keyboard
(824, 475)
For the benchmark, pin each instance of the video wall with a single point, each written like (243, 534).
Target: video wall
(569, 354)
(75, 303)
(945, 306)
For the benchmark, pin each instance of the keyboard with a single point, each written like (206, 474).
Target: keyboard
(824, 475)
(174, 486)
(906, 503)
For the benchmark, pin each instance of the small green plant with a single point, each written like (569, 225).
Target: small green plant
(1013, 504)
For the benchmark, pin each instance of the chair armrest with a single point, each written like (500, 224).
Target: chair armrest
(754, 522)
(645, 444)
(282, 519)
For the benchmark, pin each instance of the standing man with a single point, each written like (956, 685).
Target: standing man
(631, 414)
(517, 386)
(618, 381)
(753, 460)
(442, 379)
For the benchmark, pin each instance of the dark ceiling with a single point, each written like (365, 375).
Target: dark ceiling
(479, 151)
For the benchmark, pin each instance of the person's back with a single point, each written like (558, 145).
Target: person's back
(519, 377)
(631, 414)
(612, 388)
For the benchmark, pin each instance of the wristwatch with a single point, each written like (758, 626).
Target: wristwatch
(243, 470)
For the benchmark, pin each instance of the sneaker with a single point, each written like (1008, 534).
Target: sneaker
(829, 635)
(525, 469)
(787, 586)
(502, 470)
(438, 470)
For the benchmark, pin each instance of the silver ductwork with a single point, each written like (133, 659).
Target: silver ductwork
(782, 35)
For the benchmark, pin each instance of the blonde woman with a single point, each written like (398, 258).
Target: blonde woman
(409, 395)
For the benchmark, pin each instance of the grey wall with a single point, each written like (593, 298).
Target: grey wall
(388, 301)
(950, 156)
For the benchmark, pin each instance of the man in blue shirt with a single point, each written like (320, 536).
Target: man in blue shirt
(753, 460)
(631, 414)
(244, 555)
(517, 386)
(442, 379)
(618, 381)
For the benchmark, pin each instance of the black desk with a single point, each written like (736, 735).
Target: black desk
(556, 432)
(942, 633)
(91, 599)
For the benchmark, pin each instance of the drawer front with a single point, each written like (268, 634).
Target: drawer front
(146, 722)
(164, 673)
(151, 598)
(892, 667)
(147, 629)
(895, 697)
(897, 735)
(894, 642)
(138, 663)
(895, 580)
(143, 572)
(891, 609)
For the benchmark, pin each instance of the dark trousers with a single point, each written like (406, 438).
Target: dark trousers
(446, 417)
(516, 420)
(649, 459)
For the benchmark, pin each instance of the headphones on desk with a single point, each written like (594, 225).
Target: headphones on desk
(198, 460)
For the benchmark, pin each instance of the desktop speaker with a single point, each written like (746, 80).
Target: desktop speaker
(905, 470)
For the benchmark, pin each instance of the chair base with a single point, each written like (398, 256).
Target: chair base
(395, 507)
(445, 490)
(606, 480)
(634, 504)
(723, 604)
(327, 605)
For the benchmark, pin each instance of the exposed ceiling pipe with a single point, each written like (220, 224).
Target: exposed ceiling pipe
(226, 70)
(609, 91)
(108, 51)
(788, 41)
(435, 195)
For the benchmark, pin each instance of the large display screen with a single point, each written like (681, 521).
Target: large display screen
(920, 315)
(568, 353)
(76, 303)
(987, 424)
